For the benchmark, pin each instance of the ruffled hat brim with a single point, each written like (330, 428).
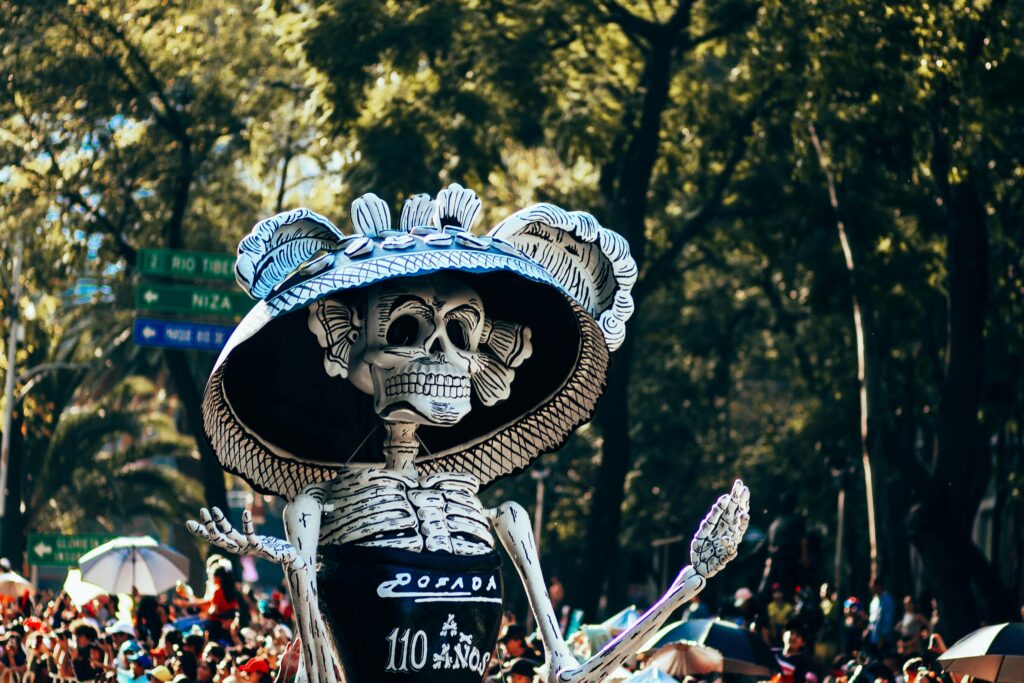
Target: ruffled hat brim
(274, 417)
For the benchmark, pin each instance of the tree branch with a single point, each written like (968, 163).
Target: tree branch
(661, 265)
(634, 26)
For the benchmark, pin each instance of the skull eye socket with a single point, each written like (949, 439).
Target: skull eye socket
(403, 331)
(457, 334)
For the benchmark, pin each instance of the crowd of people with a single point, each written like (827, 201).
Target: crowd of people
(818, 636)
(815, 637)
(229, 635)
(234, 634)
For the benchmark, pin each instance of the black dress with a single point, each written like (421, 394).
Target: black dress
(398, 615)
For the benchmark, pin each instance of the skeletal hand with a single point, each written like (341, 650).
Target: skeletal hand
(719, 535)
(216, 529)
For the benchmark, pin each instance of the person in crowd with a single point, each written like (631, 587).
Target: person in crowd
(520, 670)
(851, 635)
(193, 643)
(206, 670)
(935, 621)
(140, 663)
(185, 664)
(255, 670)
(149, 623)
(807, 611)
(214, 652)
(780, 612)
(12, 660)
(221, 602)
(39, 659)
(827, 643)
(912, 668)
(881, 617)
(912, 628)
(797, 666)
(159, 674)
(744, 607)
(513, 640)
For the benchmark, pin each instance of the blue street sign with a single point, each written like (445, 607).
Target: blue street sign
(175, 334)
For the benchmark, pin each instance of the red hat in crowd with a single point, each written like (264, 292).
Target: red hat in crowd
(257, 665)
(35, 624)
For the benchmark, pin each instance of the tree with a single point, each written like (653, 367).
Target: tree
(452, 91)
(143, 123)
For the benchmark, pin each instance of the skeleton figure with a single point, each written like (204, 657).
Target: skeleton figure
(426, 350)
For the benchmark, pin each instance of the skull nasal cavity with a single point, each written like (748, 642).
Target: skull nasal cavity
(403, 331)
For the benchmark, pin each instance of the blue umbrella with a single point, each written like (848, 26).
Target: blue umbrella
(742, 651)
(622, 620)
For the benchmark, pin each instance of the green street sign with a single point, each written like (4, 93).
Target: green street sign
(191, 300)
(56, 550)
(194, 265)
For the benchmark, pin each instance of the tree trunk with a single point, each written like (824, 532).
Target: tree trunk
(602, 539)
(214, 491)
(944, 517)
(628, 205)
(14, 531)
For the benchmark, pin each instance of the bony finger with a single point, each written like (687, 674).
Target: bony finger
(223, 525)
(204, 515)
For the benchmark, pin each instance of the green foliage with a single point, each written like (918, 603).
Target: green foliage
(180, 124)
(112, 464)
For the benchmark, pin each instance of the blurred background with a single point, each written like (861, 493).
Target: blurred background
(824, 199)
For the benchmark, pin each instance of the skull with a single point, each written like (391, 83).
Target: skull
(419, 344)
(420, 347)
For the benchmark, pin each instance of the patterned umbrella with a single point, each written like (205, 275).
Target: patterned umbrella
(742, 651)
(133, 563)
(683, 659)
(992, 653)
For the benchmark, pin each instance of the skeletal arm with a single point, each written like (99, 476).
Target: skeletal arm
(512, 525)
(713, 546)
(297, 557)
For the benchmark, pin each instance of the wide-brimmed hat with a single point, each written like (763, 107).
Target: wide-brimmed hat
(280, 417)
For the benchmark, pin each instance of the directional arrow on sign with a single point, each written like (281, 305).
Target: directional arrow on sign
(42, 550)
(150, 296)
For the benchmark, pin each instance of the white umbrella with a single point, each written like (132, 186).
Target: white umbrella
(992, 653)
(651, 676)
(133, 563)
(12, 585)
(683, 658)
(81, 592)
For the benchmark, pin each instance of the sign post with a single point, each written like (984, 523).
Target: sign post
(187, 312)
(180, 334)
(194, 265)
(56, 550)
(191, 300)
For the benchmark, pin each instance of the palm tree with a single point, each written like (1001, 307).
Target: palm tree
(117, 463)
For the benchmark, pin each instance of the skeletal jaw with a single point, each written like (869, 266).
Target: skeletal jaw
(428, 384)
(422, 391)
